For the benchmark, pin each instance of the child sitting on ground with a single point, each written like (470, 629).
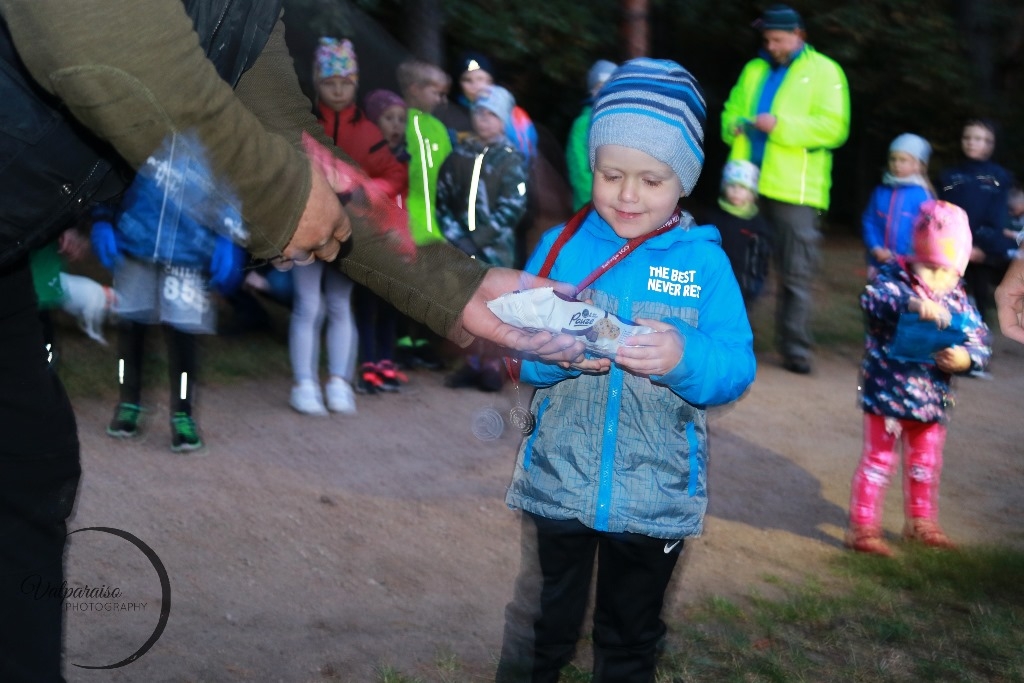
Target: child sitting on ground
(905, 398)
(889, 217)
(616, 465)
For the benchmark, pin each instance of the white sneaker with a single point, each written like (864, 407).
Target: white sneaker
(306, 398)
(340, 398)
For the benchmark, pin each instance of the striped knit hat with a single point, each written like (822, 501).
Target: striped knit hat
(654, 106)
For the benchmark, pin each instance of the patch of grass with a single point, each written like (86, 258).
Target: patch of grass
(925, 616)
(922, 616)
(388, 674)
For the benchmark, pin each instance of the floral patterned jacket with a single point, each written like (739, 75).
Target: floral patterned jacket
(910, 390)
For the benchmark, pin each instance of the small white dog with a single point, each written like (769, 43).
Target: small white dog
(89, 302)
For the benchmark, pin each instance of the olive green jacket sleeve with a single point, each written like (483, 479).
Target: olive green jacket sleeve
(133, 72)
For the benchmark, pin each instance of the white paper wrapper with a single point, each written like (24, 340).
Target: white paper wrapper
(544, 309)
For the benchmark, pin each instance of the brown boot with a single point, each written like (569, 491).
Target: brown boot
(866, 539)
(927, 532)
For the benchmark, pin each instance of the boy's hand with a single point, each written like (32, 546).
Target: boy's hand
(596, 366)
(952, 360)
(930, 310)
(765, 122)
(657, 353)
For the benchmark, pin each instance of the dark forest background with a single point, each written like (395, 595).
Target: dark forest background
(913, 65)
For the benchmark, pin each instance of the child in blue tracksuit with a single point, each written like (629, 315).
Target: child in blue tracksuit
(616, 467)
(888, 219)
(167, 260)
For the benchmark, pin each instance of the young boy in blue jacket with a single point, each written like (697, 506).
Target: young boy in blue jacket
(616, 466)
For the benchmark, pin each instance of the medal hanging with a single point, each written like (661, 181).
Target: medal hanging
(520, 416)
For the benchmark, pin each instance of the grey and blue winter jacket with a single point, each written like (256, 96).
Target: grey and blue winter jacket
(624, 453)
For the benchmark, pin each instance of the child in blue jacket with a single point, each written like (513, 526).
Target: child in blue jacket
(169, 248)
(616, 467)
(888, 219)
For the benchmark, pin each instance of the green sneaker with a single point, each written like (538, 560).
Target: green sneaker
(125, 424)
(184, 434)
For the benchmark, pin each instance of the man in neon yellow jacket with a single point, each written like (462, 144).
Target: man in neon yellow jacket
(787, 112)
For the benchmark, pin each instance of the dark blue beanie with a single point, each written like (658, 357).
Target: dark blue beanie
(471, 61)
(779, 18)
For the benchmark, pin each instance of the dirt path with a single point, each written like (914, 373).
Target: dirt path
(304, 549)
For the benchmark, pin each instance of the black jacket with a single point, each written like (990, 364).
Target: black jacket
(52, 168)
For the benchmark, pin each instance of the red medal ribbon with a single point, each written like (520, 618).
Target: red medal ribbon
(573, 226)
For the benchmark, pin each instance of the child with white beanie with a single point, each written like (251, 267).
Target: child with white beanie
(616, 464)
(888, 220)
(746, 236)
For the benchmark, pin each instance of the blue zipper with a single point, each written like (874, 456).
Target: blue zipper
(528, 454)
(691, 438)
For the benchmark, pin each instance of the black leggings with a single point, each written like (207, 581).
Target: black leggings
(544, 619)
(182, 362)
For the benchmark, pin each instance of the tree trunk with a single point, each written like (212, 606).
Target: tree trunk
(424, 22)
(976, 19)
(634, 28)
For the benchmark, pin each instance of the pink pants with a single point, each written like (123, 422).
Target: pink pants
(922, 466)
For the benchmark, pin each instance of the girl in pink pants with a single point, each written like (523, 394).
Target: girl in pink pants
(906, 388)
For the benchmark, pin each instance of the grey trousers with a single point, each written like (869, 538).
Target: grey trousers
(797, 242)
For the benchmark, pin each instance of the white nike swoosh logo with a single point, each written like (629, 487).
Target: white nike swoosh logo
(670, 546)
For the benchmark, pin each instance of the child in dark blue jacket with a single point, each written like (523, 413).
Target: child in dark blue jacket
(981, 187)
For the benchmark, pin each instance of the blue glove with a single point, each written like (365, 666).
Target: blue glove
(226, 265)
(104, 244)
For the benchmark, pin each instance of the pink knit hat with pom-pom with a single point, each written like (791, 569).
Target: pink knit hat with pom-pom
(942, 236)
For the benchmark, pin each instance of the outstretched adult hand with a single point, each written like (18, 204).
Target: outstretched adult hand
(479, 321)
(323, 226)
(1010, 301)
